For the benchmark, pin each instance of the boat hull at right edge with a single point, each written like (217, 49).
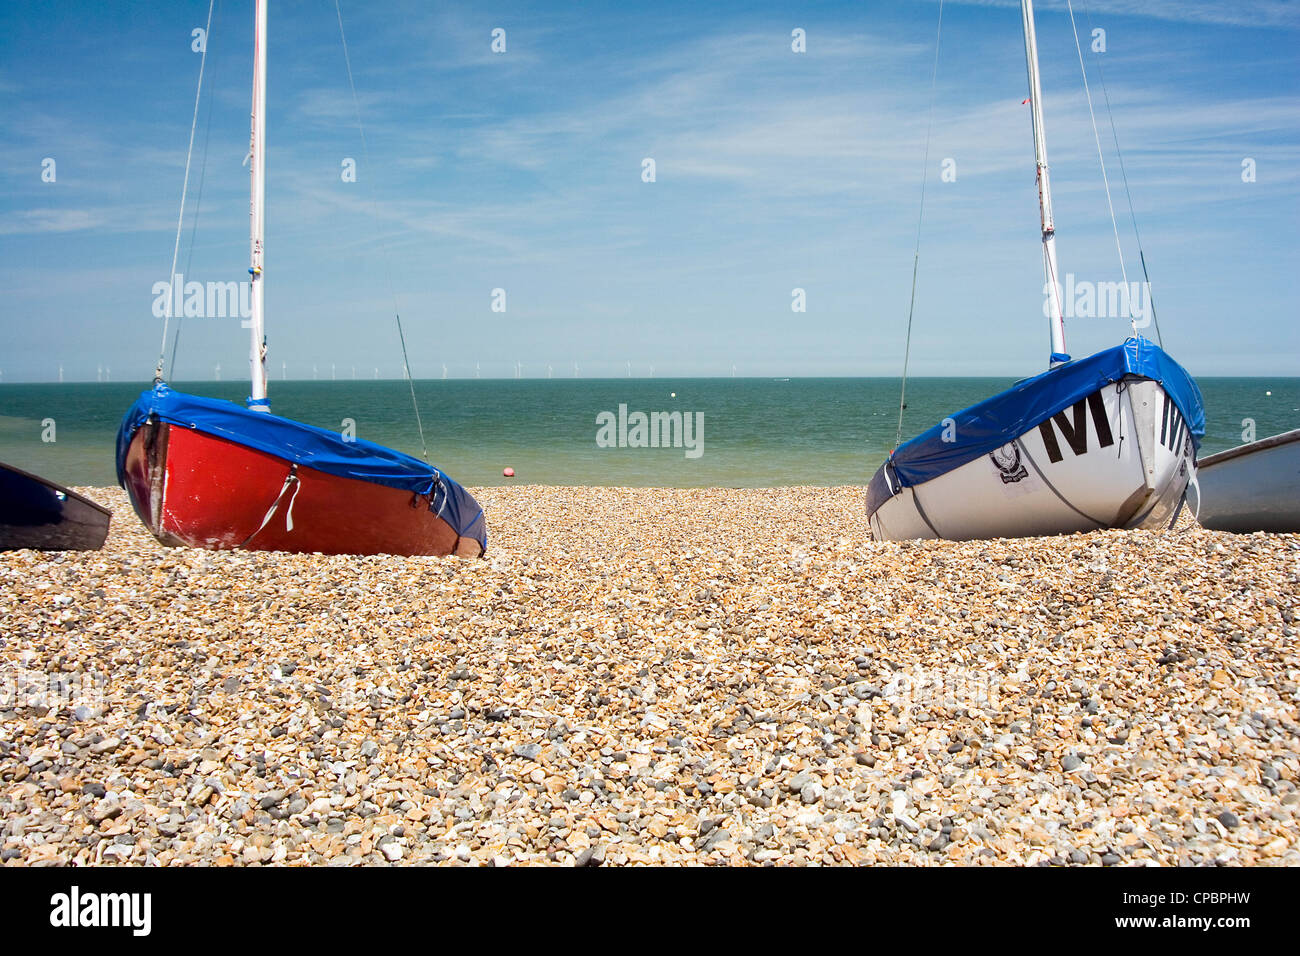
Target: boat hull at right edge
(1119, 457)
(1253, 487)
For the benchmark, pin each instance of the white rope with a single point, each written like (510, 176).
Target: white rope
(383, 246)
(1119, 154)
(194, 223)
(291, 480)
(288, 514)
(1128, 301)
(1194, 484)
(180, 219)
(916, 255)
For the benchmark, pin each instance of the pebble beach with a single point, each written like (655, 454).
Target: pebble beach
(656, 676)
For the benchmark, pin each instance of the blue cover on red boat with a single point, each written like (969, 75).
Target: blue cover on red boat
(307, 445)
(995, 421)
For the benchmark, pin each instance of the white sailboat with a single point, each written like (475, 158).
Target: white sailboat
(1108, 441)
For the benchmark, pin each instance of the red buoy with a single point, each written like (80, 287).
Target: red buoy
(508, 472)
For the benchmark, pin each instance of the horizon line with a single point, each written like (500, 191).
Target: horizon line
(592, 378)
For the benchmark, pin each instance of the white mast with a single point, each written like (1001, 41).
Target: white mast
(257, 215)
(1051, 274)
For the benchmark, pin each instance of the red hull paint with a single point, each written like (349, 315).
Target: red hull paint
(194, 489)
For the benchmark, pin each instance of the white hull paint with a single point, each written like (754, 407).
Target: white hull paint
(1119, 458)
(1253, 487)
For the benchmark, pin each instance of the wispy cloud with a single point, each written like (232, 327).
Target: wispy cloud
(38, 221)
(774, 170)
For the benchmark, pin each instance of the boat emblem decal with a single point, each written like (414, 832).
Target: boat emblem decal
(1007, 461)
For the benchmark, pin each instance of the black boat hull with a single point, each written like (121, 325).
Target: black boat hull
(38, 514)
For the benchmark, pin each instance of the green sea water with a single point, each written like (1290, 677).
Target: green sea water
(756, 432)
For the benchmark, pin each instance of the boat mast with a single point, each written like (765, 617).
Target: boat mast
(1051, 275)
(257, 208)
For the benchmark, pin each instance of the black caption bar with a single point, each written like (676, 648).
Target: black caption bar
(138, 906)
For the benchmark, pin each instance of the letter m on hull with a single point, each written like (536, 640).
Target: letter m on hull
(1073, 425)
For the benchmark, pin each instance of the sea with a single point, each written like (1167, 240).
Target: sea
(745, 432)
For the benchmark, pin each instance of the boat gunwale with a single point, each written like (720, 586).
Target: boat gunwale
(1273, 441)
(62, 489)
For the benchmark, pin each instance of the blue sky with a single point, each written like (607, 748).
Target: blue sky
(522, 171)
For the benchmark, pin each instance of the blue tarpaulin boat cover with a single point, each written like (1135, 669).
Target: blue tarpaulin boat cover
(307, 445)
(995, 421)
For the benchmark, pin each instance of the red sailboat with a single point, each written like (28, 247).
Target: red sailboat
(212, 474)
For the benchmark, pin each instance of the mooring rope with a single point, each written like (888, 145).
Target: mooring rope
(916, 256)
(180, 219)
(383, 246)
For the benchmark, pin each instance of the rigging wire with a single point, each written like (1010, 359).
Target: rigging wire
(916, 256)
(180, 219)
(1110, 114)
(365, 153)
(1101, 159)
(198, 206)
